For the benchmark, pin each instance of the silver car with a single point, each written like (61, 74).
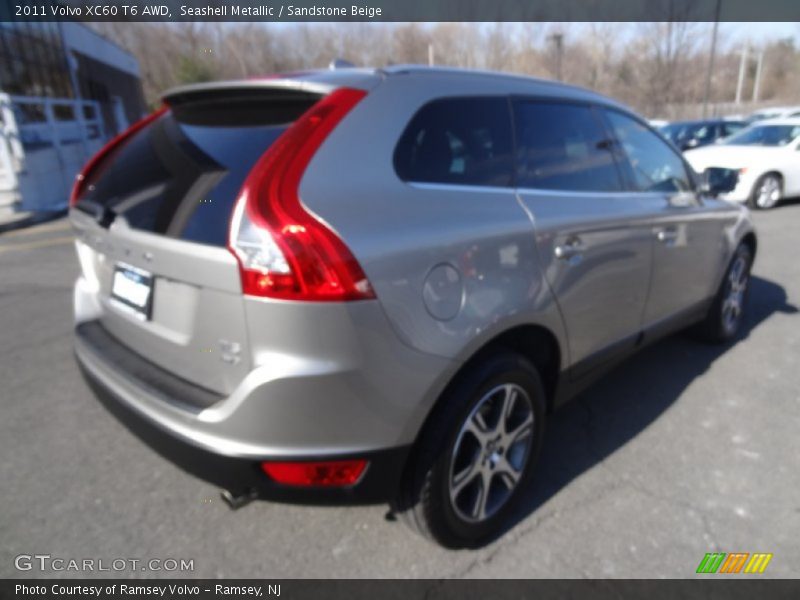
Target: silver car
(374, 285)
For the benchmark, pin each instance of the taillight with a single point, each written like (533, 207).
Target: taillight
(326, 474)
(80, 178)
(284, 251)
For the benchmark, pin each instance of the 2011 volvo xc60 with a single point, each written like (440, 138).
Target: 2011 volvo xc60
(375, 285)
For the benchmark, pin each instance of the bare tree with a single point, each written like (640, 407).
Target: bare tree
(410, 44)
(658, 68)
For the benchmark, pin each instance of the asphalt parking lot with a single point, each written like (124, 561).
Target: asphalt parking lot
(683, 450)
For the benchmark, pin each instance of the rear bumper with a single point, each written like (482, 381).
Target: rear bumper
(238, 474)
(327, 379)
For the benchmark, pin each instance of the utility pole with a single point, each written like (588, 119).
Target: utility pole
(710, 72)
(742, 69)
(430, 55)
(757, 83)
(558, 40)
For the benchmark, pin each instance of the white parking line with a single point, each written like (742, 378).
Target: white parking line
(37, 244)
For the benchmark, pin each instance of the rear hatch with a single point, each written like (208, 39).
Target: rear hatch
(153, 218)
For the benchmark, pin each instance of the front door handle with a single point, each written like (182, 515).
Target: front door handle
(667, 236)
(569, 249)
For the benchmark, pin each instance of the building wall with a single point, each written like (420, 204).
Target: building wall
(79, 38)
(69, 60)
(104, 72)
(32, 60)
(66, 89)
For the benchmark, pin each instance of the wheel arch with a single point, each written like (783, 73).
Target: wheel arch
(776, 172)
(750, 240)
(536, 343)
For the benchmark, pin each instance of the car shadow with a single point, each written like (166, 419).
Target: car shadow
(789, 202)
(574, 444)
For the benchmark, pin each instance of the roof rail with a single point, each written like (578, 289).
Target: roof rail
(340, 63)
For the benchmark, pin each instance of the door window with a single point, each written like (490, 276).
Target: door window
(563, 146)
(731, 127)
(651, 164)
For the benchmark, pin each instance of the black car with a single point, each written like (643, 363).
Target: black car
(693, 134)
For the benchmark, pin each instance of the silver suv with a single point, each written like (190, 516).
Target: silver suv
(374, 285)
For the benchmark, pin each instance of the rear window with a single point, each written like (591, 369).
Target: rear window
(465, 141)
(180, 175)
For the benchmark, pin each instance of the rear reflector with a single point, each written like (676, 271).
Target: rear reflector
(285, 251)
(325, 474)
(94, 162)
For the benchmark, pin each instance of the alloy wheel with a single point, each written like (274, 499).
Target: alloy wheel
(491, 452)
(733, 303)
(769, 192)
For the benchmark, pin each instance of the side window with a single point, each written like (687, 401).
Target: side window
(653, 166)
(731, 127)
(463, 141)
(563, 146)
(705, 133)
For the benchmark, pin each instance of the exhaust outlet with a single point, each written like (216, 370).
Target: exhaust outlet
(235, 502)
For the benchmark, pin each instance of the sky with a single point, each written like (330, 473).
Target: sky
(758, 32)
(736, 32)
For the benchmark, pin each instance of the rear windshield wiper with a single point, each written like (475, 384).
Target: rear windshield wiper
(101, 213)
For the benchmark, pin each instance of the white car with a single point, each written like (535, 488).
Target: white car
(776, 112)
(759, 165)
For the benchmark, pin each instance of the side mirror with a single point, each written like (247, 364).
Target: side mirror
(718, 181)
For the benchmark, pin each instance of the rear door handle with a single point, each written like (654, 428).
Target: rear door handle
(570, 249)
(667, 236)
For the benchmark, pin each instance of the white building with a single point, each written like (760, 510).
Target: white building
(64, 90)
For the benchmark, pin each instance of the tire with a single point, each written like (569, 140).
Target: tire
(767, 192)
(724, 318)
(462, 445)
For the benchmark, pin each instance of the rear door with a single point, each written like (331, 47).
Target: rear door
(153, 228)
(594, 240)
(687, 236)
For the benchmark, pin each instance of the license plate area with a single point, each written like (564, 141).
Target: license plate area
(132, 290)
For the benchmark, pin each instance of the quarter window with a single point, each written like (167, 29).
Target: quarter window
(651, 164)
(563, 147)
(458, 141)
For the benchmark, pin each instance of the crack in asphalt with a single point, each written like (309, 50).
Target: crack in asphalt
(514, 536)
(638, 485)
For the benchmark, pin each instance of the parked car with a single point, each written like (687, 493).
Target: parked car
(375, 285)
(759, 165)
(657, 123)
(694, 134)
(776, 112)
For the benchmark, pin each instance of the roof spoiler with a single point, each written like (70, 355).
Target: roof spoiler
(273, 88)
